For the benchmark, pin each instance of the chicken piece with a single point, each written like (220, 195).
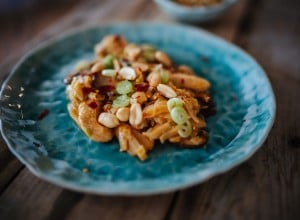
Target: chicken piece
(190, 82)
(111, 44)
(87, 118)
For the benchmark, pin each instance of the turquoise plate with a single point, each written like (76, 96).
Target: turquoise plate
(55, 150)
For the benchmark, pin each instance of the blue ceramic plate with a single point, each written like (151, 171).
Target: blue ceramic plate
(55, 149)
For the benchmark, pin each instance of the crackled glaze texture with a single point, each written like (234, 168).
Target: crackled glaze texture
(55, 149)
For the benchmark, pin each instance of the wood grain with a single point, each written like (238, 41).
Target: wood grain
(265, 187)
(30, 198)
(19, 28)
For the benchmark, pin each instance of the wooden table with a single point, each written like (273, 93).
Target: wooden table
(267, 186)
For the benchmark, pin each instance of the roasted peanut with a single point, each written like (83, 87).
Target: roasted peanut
(163, 58)
(142, 66)
(138, 97)
(153, 79)
(108, 120)
(166, 91)
(123, 114)
(97, 67)
(132, 51)
(117, 66)
(127, 73)
(136, 115)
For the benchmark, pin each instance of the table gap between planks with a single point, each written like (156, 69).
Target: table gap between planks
(267, 186)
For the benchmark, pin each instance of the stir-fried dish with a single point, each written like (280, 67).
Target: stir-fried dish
(136, 93)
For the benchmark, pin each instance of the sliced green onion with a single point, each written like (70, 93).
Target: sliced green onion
(185, 129)
(174, 102)
(121, 101)
(149, 56)
(164, 76)
(124, 87)
(82, 65)
(179, 115)
(148, 52)
(108, 61)
(148, 47)
(109, 72)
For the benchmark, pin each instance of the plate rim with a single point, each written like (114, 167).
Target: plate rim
(222, 169)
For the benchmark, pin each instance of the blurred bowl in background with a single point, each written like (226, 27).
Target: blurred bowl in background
(194, 14)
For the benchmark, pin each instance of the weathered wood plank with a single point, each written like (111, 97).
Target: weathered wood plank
(20, 28)
(31, 198)
(268, 185)
(150, 207)
(9, 166)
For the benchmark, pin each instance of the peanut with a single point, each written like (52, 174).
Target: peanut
(166, 91)
(132, 51)
(123, 114)
(142, 66)
(97, 67)
(138, 97)
(108, 120)
(136, 115)
(127, 73)
(153, 79)
(163, 58)
(117, 66)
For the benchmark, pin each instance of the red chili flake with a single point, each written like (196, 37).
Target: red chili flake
(36, 144)
(141, 87)
(86, 90)
(106, 89)
(43, 114)
(93, 105)
(182, 81)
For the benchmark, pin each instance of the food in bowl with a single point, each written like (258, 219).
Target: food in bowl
(136, 93)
